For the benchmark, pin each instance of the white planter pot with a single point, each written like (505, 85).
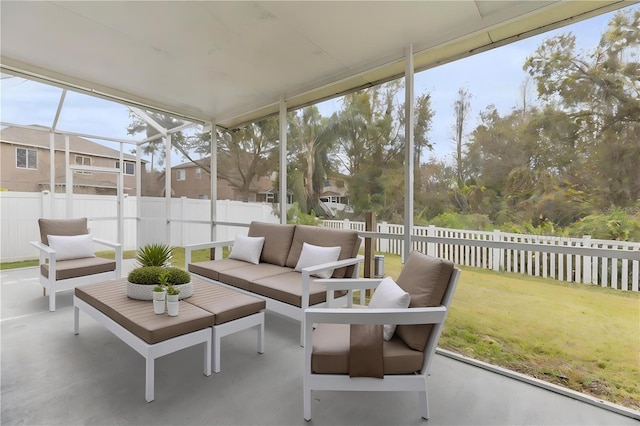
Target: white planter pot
(145, 292)
(158, 307)
(173, 308)
(173, 297)
(159, 295)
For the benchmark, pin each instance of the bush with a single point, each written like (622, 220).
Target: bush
(150, 275)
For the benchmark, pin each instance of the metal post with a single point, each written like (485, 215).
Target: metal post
(408, 151)
(283, 160)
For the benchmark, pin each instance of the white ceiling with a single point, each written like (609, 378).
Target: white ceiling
(233, 61)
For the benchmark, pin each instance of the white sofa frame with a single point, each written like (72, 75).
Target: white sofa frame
(51, 285)
(342, 382)
(282, 308)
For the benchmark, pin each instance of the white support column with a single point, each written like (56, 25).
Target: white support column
(408, 151)
(68, 197)
(120, 195)
(167, 187)
(52, 175)
(283, 160)
(139, 193)
(214, 180)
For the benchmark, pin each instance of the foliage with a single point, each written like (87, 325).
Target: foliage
(296, 216)
(172, 291)
(615, 224)
(475, 222)
(159, 288)
(154, 255)
(150, 275)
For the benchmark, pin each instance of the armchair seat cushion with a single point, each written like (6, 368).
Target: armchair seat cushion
(330, 353)
(74, 268)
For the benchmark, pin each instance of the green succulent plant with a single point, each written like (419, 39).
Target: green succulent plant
(171, 290)
(154, 255)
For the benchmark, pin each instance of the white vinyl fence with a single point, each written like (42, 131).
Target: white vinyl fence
(188, 222)
(614, 264)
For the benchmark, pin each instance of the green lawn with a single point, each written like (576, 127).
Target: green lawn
(580, 336)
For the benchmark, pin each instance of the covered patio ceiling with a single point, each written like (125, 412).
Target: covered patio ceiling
(233, 62)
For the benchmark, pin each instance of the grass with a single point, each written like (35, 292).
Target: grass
(583, 337)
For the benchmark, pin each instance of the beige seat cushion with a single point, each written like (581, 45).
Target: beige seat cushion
(277, 241)
(287, 288)
(243, 277)
(425, 278)
(348, 241)
(137, 316)
(227, 305)
(74, 268)
(61, 227)
(212, 268)
(330, 354)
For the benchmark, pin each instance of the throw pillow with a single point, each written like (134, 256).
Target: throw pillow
(389, 295)
(316, 255)
(72, 246)
(247, 249)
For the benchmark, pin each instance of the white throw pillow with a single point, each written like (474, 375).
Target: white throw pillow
(389, 295)
(248, 249)
(316, 255)
(72, 246)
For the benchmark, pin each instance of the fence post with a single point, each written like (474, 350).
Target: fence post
(586, 261)
(383, 244)
(345, 224)
(45, 211)
(496, 252)
(370, 225)
(431, 247)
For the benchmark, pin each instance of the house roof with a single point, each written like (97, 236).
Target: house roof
(234, 61)
(40, 139)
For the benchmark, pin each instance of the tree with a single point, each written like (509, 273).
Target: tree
(462, 111)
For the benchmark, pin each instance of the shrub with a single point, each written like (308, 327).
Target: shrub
(154, 255)
(150, 275)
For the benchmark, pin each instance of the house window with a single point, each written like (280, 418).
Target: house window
(26, 158)
(198, 173)
(270, 198)
(181, 174)
(129, 167)
(82, 160)
(203, 197)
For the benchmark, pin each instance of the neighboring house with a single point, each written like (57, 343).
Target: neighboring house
(25, 163)
(335, 191)
(192, 180)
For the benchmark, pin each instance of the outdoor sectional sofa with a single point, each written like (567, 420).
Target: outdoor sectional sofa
(271, 272)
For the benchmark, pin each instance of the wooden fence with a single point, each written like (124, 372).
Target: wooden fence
(613, 264)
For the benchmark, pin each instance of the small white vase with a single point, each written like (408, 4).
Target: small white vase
(159, 295)
(158, 307)
(173, 297)
(173, 308)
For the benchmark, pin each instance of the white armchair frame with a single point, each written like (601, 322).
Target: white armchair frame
(416, 382)
(51, 285)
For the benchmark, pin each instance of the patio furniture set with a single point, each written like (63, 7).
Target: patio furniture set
(306, 273)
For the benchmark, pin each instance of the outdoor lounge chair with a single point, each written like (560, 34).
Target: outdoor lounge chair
(67, 257)
(333, 361)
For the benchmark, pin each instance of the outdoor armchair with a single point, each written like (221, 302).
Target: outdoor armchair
(335, 356)
(67, 257)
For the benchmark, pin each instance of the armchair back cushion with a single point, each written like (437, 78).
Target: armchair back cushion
(61, 227)
(319, 236)
(425, 278)
(277, 241)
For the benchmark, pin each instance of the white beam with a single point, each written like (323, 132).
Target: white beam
(283, 160)
(408, 151)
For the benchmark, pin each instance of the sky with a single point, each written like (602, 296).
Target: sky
(28, 102)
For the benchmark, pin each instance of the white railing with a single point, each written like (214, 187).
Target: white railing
(613, 264)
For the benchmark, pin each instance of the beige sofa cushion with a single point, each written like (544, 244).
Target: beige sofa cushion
(277, 241)
(61, 227)
(244, 277)
(212, 268)
(287, 288)
(330, 354)
(79, 267)
(425, 278)
(348, 241)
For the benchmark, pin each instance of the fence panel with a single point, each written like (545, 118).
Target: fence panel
(615, 264)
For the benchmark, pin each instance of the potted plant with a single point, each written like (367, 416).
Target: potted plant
(159, 293)
(155, 269)
(173, 303)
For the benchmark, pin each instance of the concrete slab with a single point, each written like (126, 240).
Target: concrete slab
(51, 376)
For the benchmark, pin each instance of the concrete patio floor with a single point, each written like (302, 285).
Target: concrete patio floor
(51, 376)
